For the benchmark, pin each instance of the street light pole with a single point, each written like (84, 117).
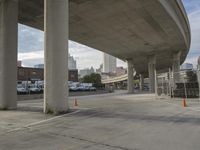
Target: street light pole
(198, 74)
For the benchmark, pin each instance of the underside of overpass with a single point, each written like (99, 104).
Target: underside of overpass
(150, 35)
(129, 29)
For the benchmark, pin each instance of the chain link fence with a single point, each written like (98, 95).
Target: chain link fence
(183, 84)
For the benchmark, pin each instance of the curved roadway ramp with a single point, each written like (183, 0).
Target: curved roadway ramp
(128, 29)
(104, 122)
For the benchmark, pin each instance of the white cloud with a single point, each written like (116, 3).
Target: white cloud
(31, 55)
(30, 39)
(85, 56)
(29, 59)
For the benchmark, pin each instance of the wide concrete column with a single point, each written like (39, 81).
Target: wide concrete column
(56, 26)
(176, 66)
(130, 77)
(151, 69)
(141, 82)
(8, 53)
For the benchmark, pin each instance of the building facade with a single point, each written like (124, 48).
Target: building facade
(86, 71)
(71, 63)
(19, 63)
(39, 66)
(30, 74)
(73, 75)
(109, 63)
(121, 71)
(187, 66)
(37, 74)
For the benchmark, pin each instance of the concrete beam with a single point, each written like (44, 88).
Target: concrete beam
(8, 54)
(130, 77)
(56, 56)
(151, 69)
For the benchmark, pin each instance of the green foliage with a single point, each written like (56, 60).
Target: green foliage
(93, 78)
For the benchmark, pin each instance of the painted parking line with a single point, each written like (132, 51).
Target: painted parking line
(45, 121)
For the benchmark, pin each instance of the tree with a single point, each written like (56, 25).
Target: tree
(93, 78)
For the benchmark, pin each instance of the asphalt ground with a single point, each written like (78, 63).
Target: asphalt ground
(71, 93)
(116, 121)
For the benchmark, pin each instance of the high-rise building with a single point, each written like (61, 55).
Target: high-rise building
(39, 66)
(121, 71)
(71, 62)
(109, 63)
(100, 69)
(186, 66)
(19, 63)
(86, 71)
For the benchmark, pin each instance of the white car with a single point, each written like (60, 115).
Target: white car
(34, 90)
(21, 90)
(73, 88)
(92, 88)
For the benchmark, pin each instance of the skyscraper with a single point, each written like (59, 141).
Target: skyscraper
(109, 63)
(71, 62)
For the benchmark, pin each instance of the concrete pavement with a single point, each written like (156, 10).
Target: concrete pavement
(103, 122)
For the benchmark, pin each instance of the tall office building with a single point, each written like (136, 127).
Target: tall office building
(71, 62)
(186, 66)
(109, 63)
(39, 66)
(86, 71)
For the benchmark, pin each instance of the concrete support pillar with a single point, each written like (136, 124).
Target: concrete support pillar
(130, 77)
(56, 56)
(8, 53)
(176, 67)
(141, 82)
(151, 69)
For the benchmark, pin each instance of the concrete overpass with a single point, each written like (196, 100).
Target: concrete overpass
(150, 35)
(115, 79)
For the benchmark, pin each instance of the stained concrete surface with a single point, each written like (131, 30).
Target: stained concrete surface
(103, 122)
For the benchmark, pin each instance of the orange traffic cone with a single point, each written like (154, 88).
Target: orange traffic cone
(75, 102)
(184, 103)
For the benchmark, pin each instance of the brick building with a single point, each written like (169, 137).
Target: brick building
(34, 74)
(25, 73)
(73, 75)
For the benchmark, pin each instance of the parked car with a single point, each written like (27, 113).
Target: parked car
(81, 88)
(92, 88)
(21, 90)
(73, 88)
(35, 90)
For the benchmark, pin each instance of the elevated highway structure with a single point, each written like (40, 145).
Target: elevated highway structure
(115, 79)
(149, 34)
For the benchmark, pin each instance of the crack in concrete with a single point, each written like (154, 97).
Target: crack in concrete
(103, 144)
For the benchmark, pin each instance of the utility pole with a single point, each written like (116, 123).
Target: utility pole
(198, 74)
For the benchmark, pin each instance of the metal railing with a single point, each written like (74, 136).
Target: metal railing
(183, 84)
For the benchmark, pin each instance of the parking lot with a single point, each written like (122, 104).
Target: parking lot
(115, 121)
(71, 93)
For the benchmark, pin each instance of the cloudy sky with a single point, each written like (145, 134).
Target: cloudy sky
(30, 44)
